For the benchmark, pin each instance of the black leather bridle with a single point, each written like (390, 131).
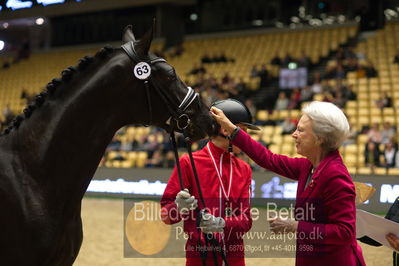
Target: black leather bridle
(177, 112)
(182, 123)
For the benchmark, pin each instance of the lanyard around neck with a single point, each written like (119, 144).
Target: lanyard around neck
(219, 172)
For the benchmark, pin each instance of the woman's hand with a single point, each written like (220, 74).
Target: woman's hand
(222, 120)
(393, 241)
(278, 225)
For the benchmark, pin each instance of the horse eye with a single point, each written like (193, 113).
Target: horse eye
(172, 77)
(172, 74)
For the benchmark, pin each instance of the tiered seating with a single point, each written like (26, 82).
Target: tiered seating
(130, 158)
(380, 50)
(257, 49)
(33, 75)
(247, 51)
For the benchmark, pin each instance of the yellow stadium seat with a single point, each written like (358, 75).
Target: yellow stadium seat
(376, 119)
(350, 160)
(286, 149)
(141, 159)
(295, 114)
(389, 118)
(318, 97)
(364, 171)
(277, 139)
(388, 111)
(278, 130)
(262, 115)
(363, 104)
(351, 112)
(283, 114)
(362, 121)
(393, 171)
(351, 104)
(363, 111)
(275, 148)
(268, 130)
(375, 111)
(116, 164)
(352, 170)
(266, 138)
(380, 171)
(362, 139)
(127, 164)
(351, 149)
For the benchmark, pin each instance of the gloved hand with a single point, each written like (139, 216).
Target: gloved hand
(211, 224)
(185, 202)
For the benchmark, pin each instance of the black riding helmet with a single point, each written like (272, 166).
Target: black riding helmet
(236, 112)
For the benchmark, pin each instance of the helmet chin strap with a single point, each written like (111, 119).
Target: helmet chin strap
(230, 147)
(223, 136)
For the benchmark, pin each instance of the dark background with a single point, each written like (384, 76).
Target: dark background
(93, 21)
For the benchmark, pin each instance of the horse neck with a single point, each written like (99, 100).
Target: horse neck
(63, 141)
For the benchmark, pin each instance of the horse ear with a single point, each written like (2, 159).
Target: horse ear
(143, 46)
(128, 34)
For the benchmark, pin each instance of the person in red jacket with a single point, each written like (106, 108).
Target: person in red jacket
(225, 182)
(325, 212)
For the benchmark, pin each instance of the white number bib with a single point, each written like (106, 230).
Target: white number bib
(142, 70)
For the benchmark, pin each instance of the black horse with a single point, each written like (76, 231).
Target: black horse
(50, 152)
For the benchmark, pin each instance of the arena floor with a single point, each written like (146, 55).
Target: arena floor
(103, 228)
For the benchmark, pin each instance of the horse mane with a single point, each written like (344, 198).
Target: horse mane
(66, 76)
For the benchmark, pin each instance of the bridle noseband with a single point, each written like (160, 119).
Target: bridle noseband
(182, 122)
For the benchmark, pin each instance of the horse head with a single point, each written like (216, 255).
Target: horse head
(183, 110)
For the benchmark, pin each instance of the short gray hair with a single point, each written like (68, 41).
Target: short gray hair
(329, 123)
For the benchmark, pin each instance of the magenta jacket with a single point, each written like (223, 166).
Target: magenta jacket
(327, 234)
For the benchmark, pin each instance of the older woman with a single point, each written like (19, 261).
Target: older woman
(325, 212)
